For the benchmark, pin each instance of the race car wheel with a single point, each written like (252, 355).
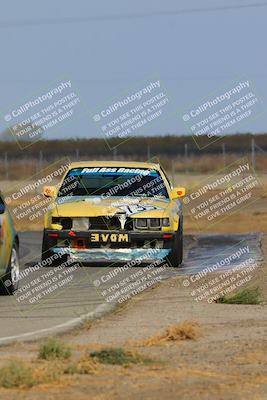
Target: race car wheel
(10, 281)
(175, 258)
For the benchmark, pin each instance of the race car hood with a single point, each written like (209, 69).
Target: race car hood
(97, 206)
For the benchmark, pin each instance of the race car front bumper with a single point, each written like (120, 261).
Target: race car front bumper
(114, 255)
(145, 246)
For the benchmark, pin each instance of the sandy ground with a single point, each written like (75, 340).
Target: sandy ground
(228, 361)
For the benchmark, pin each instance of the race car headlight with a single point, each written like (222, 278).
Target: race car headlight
(166, 222)
(80, 224)
(141, 223)
(154, 223)
(151, 223)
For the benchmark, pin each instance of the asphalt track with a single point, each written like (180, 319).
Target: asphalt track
(85, 294)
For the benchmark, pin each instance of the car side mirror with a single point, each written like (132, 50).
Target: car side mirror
(177, 193)
(49, 191)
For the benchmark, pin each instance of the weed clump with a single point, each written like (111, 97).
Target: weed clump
(53, 349)
(118, 356)
(244, 296)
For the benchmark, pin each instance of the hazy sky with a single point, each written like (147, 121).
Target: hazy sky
(192, 53)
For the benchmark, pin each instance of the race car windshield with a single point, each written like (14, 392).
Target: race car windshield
(106, 182)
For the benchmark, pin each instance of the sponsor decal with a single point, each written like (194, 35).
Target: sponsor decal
(109, 237)
(106, 170)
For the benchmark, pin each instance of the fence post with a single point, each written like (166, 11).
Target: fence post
(253, 158)
(6, 166)
(40, 159)
(148, 152)
(114, 153)
(224, 155)
(186, 155)
(173, 172)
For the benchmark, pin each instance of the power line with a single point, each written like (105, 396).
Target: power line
(69, 20)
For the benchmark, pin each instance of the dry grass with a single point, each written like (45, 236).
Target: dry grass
(24, 375)
(186, 330)
(87, 365)
(19, 374)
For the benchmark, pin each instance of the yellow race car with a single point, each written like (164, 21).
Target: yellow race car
(9, 252)
(114, 211)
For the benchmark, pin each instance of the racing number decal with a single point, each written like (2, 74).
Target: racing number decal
(136, 208)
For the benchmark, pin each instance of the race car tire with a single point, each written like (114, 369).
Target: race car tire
(175, 258)
(10, 281)
(47, 255)
(45, 249)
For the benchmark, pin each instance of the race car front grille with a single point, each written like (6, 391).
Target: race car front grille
(94, 223)
(109, 223)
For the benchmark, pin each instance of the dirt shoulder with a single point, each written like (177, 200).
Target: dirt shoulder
(227, 361)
